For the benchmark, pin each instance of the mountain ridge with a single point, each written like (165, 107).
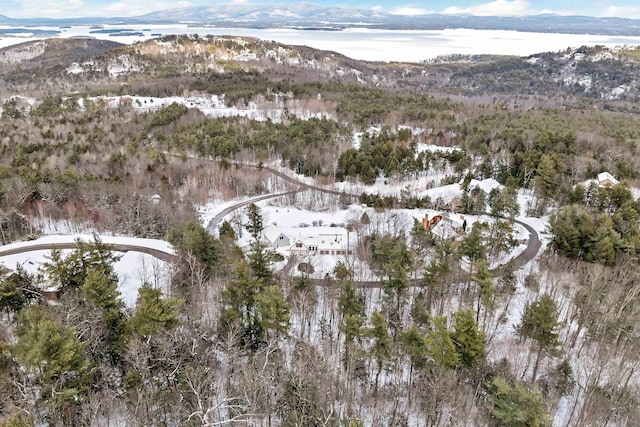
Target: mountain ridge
(311, 15)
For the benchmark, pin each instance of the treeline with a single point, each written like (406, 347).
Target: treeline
(601, 227)
(308, 146)
(394, 155)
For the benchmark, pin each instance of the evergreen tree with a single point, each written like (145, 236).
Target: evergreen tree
(16, 290)
(274, 310)
(154, 313)
(352, 308)
(380, 349)
(545, 180)
(70, 272)
(240, 298)
(341, 272)
(504, 203)
(54, 354)
(440, 347)
(420, 310)
(472, 245)
(196, 239)
(415, 346)
(468, 339)
(227, 231)
(515, 406)
(259, 258)
(395, 288)
(100, 288)
(254, 223)
(487, 291)
(540, 323)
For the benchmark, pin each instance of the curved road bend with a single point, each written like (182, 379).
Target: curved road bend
(526, 256)
(117, 247)
(216, 219)
(302, 186)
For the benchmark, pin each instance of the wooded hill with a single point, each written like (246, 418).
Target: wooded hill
(440, 338)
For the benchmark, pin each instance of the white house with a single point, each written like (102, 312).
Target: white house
(336, 243)
(301, 248)
(276, 238)
(605, 179)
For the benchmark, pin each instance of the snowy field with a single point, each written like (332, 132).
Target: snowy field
(210, 105)
(134, 268)
(368, 44)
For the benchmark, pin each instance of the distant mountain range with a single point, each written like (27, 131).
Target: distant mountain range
(314, 17)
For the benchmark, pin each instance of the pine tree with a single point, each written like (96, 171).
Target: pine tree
(194, 238)
(54, 354)
(540, 323)
(468, 339)
(227, 231)
(487, 291)
(240, 300)
(414, 344)
(440, 346)
(341, 272)
(515, 406)
(352, 308)
(472, 245)
(274, 310)
(395, 288)
(380, 350)
(100, 288)
(254, 223)
(16, 290)
(70, 272)
(154, 313)
(259, 258)
(545, 180)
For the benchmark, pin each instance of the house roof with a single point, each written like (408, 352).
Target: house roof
(444, 230)
(606, 176)
(453, 219)
(272, 233)
(485, 185)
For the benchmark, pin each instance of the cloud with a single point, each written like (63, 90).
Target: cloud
(409, 11)
(495, 8)
(632, 12)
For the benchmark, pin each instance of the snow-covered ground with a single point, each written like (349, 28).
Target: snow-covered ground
(134, 268)
(212, 106)
(304, 225)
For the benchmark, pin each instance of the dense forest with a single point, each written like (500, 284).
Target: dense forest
(439, 333)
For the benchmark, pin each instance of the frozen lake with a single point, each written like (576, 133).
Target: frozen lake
(367, 44)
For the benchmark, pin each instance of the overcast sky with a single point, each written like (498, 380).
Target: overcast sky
(122, 8)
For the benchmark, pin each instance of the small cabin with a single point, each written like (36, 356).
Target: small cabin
(605, 179)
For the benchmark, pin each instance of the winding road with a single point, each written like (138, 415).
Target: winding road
(302, 186)
(132, 244)
(522, 259)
